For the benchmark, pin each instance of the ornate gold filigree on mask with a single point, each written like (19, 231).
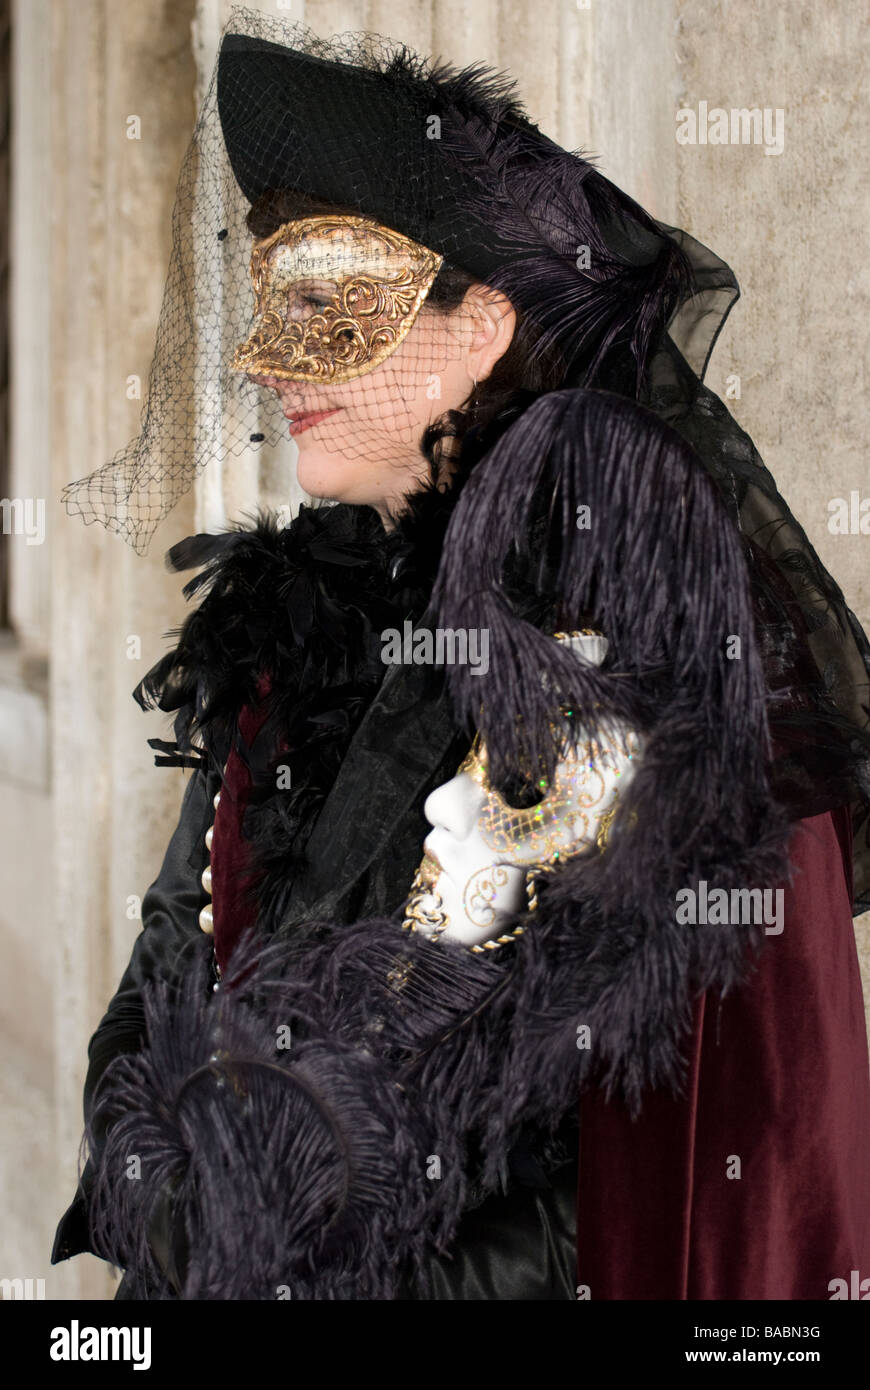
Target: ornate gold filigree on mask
(334, 297)
(558, 826)
(479, 894)
(574, 816)
(431, 917)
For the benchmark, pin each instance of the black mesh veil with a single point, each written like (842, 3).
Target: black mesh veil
(464, 184)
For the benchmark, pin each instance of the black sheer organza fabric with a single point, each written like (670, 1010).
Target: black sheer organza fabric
(450, 159)
(815, 651)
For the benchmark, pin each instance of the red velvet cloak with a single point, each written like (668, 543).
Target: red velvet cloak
(778, 1079)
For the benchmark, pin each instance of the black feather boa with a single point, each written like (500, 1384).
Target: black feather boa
(307, 604)
(304, 603)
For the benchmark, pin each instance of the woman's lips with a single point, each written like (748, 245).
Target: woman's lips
(303, 421)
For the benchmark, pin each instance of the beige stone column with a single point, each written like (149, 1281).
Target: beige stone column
(793, 226)
(230, 490)
(110, 201)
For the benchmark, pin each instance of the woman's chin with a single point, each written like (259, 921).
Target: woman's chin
(320, 475)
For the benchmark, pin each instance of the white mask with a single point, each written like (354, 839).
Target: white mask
(478, 855)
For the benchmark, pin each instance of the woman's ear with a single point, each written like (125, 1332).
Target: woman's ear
(493, 322)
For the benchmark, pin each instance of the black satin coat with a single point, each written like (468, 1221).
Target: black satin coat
(363, 853)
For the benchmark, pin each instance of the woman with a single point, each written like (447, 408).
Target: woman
(431, 319)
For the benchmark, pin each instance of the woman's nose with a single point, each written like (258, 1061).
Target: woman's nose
(259, 380)
(454, 806)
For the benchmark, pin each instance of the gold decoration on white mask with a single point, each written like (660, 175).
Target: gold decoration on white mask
(430, 917)
(558, 826)
(573, 816)
(480, 892)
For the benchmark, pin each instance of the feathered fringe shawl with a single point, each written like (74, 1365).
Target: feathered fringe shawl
(329, 1166)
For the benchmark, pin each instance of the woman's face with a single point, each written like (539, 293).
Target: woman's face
(360, 441)
(360, 360)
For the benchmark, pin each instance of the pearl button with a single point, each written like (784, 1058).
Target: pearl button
(208, 837)
(206, 920)
(206, 878)
(216, 800)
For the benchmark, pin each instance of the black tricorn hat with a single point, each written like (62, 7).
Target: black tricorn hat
(349, 135)
(449, 158)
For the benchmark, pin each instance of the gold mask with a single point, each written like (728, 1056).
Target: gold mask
(334, 297)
